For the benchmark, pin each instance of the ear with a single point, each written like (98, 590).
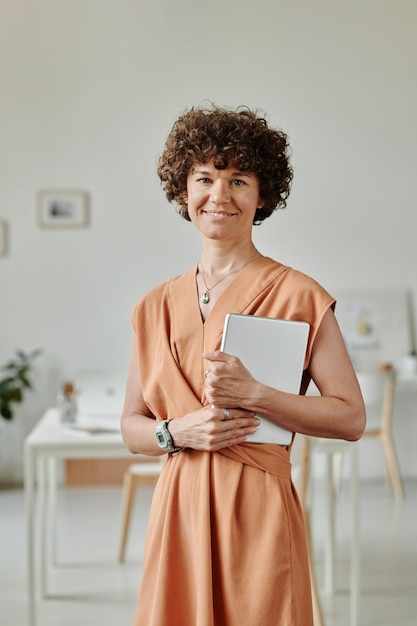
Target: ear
(184, 196)
(261, 204)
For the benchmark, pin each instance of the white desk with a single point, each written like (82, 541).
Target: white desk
(51, 440)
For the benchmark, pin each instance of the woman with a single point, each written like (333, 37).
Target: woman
(226, 544)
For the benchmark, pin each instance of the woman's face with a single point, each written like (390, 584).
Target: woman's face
(222, 203)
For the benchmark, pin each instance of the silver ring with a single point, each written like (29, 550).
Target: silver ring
(207, 372)
(226, 414)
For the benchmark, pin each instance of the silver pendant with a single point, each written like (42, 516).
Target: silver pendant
(205, 298)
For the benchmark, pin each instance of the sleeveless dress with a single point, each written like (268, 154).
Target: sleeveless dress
(226, 540)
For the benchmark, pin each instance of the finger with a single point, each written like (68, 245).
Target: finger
(215, 410)
(234, 412)
(248, 418)
(243, 424)
(217, 355)
(235, 435)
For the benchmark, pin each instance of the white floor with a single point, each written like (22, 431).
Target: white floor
(88, 586)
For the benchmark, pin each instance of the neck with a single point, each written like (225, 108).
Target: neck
(219, 261)
(219, 282)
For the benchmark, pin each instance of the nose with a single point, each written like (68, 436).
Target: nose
(220, 192)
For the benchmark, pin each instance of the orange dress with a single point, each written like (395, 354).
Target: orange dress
(226, 542)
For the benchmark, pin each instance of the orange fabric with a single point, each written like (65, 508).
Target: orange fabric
(226, 542)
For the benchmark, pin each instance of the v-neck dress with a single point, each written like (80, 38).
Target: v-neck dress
(226, 541)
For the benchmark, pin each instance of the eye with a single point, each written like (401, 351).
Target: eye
(237, 182)
(203, 180)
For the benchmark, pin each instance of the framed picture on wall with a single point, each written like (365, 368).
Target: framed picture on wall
(63, 209)
(3, 238)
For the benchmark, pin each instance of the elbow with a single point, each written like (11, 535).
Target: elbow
(355, 435)
(131, 448)
(357, 425)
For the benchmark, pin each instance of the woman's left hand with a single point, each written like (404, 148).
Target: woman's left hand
(228, 383)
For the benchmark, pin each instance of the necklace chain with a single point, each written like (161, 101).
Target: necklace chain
(205, 298)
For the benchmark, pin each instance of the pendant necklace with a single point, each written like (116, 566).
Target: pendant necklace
(205, 298)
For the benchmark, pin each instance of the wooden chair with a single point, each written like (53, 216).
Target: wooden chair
(300, 462)
(378, 389)
(332, 450)
(137, 475)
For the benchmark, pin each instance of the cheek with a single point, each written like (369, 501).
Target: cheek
(196, 198)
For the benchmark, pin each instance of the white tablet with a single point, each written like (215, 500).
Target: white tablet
(273, 350)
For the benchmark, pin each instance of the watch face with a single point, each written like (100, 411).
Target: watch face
(160, 438)
(163, 438)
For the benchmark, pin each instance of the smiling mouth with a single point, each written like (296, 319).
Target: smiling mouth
(219, 213)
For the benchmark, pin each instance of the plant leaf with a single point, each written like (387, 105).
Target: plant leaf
(6, 412)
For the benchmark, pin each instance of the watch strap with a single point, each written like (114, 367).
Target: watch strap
(164, 439)
(174, 450)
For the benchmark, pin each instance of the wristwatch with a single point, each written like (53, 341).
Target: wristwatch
(164, 439)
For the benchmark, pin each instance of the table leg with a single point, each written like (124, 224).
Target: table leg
(329, 584)
(42, 524)
(52, 508)
(29, 484)
(355, 582)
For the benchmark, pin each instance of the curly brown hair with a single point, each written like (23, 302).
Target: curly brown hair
(239, 137)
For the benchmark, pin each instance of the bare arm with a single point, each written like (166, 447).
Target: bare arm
(338, 413)
(202, 429)
(137, 424)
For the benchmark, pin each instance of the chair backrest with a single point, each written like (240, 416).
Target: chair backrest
(378, 393)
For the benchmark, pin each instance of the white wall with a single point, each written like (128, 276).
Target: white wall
(90, 90)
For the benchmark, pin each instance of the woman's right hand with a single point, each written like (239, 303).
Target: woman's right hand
(203, 429)
(213, 428)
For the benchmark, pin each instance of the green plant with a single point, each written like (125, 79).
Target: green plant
(15, 381)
